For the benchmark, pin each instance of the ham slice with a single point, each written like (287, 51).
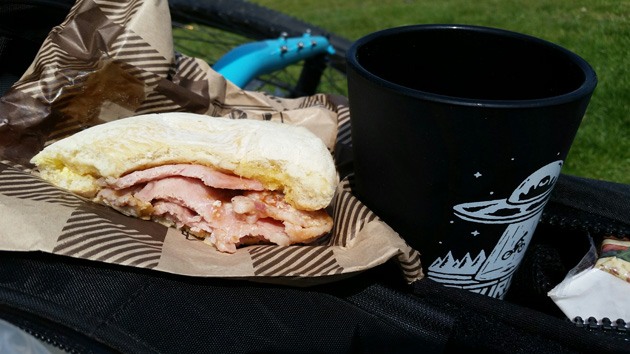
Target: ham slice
(209, 176)
(225, 209)
(299, 224)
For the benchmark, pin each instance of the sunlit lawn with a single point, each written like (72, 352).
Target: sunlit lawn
(597, 30)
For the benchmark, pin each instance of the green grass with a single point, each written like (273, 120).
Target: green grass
(597, 30)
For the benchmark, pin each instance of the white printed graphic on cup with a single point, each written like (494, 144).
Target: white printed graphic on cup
(520, 212)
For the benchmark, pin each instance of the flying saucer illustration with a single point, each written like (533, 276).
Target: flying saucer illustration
(527, 200)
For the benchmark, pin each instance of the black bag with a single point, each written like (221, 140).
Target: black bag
(84, 307)
(93, 307)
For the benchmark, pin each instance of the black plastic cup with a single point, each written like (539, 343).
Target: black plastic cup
(459, 134)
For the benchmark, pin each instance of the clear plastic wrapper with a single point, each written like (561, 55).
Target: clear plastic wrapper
(597, 287)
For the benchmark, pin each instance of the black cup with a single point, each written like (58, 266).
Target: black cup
(459, 133)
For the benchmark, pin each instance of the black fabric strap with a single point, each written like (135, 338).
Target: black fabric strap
(139, 311)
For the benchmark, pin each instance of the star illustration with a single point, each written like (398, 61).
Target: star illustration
(475, 233)
(477, 175)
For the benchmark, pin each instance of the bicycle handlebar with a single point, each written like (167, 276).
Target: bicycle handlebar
(246, 62)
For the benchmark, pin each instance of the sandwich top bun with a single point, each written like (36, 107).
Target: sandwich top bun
(282, 157)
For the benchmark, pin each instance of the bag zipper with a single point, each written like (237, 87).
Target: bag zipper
(52, 333)
(619, 326)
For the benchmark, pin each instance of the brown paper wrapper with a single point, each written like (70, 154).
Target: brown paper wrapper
(107, 62)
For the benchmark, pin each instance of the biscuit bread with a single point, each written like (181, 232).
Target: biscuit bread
(282, 157)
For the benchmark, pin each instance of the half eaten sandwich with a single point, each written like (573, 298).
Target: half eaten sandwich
(230, 182)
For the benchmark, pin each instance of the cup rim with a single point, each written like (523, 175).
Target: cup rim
(585, 89)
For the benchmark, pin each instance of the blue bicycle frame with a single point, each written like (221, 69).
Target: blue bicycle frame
(250, 60)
